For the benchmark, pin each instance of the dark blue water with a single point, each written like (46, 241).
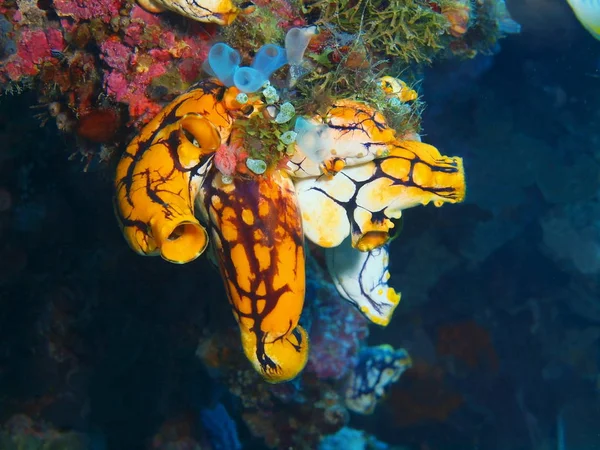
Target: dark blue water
(103, 349)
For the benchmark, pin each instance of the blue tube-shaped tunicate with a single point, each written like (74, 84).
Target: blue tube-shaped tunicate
(296, 42)
(302, 125)
(224, 62)
(247, 79)
(269, 58)
(206, 67)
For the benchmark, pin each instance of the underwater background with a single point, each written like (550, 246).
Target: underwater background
(101, 348)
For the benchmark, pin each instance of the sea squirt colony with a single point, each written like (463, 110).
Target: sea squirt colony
(201, 171)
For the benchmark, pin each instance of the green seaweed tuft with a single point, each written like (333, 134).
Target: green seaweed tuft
(409, 29)
(247, 34)
(355, 77)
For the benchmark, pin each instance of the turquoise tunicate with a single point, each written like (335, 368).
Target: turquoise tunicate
(289, 137)
(247, 79)
(242, 98)
(269, 58)
(270, 94)
(224, 62)
(303, 125)
(286, 112)
(315, 140)
(395, 102)
(258, 166)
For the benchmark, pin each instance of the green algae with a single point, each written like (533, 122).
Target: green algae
(327, 82)
(246, 34)
(409, 29)
(170, 82)
(264, 139)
